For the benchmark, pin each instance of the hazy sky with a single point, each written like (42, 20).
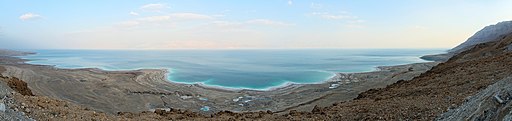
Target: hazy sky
(225, 24)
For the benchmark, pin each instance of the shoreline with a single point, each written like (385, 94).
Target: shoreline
(168, 71)
(107, 91)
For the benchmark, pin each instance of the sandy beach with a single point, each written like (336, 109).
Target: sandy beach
(148, 89)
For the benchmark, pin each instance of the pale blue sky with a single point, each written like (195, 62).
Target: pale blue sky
(225, 24)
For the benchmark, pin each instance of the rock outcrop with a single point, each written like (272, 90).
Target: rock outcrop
(493, 103)
(18, 85)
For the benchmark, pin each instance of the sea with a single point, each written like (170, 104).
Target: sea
(255, 69)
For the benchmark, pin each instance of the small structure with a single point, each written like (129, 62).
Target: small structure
(205, 108)
(333, 86)
(237, 99)
(203, 99)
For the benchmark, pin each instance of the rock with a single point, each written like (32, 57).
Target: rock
(509, 47)
(483, 105)
(185, 97)
(498, 99)
(159, 111)
(2, 107)
(316, 109)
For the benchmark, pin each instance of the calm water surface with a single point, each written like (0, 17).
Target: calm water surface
(249, 69)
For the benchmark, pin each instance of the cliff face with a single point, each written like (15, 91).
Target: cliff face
(487, 34)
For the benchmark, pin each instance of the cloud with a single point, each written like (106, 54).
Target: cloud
(30, 16)
(248, 26)
(155, 18)
(290, 2)
(346, 18)
(417, 28)
(316, 6)
(359, 26)
(176, 16)
(190, 16)
(330, 16)
(127, 24)
(227, 24)
(163, 19)
(242, 26)
(134, 13)
(156, 7)
(268, 22)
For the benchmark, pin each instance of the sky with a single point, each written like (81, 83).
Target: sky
(244, 24)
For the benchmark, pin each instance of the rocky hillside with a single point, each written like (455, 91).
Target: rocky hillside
(487, 34)
(493, 103)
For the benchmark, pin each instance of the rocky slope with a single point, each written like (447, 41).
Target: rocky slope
(487, 34)
(6, 101)
(493, 103)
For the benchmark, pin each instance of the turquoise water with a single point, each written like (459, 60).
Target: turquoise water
(248, 69)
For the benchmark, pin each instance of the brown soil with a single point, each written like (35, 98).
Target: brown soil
(17, 85)
(2, 69)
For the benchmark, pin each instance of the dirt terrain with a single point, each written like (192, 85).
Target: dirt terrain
(148, 89)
